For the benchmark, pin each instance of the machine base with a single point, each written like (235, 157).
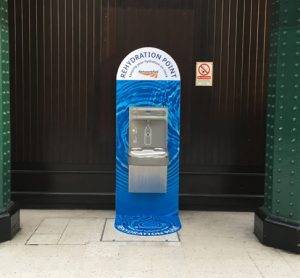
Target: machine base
(276, 233)
(147, 225)
(9, 222)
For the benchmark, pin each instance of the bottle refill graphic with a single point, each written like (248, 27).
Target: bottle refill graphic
(148, 156)
(147, 134)
(147, 143)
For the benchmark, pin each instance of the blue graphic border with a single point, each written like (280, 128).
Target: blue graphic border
(153, 213)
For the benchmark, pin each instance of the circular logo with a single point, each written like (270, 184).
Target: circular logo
(146, 225)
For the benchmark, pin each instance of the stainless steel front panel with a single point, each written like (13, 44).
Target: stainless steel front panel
(148, 155)
(147, 179)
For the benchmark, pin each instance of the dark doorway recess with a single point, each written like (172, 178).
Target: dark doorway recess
(64, 58)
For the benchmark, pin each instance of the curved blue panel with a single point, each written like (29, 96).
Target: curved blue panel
(147, 214)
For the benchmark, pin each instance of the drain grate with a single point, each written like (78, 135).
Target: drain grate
(81, 231)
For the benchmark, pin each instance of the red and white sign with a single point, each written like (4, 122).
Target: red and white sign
(204, 73)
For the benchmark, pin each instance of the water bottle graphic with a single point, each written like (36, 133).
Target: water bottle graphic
(148, 135)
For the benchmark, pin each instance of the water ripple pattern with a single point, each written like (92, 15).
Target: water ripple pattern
(147, 214)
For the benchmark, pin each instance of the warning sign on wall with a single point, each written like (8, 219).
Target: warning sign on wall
(204, 73)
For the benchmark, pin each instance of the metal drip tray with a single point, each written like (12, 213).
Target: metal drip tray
(155, 157)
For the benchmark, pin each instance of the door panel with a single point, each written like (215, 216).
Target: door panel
(64, 58)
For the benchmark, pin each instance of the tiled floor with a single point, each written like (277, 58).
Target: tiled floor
(73, 243)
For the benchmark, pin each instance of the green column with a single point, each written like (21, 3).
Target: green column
(4, 110)
(277, 223)
(9, 213)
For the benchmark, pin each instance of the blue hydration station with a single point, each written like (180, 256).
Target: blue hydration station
(147, 143)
